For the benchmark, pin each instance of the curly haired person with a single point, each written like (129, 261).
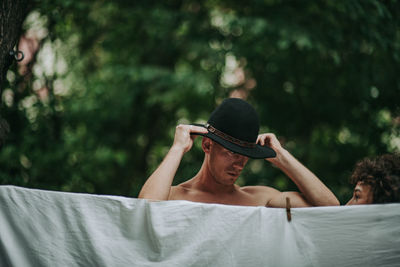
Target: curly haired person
(376, 180)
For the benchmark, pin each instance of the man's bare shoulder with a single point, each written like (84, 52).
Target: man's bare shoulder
(180, 191)
(259, 189)
(261, 194)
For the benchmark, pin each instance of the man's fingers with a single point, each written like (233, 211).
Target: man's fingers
(260, 140)
(192, 128)
(197, 129)
(265, 139)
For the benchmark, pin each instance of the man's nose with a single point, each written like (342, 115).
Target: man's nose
(350, 202)
(240, 160)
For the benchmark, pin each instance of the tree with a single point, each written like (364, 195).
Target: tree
(99, 116)
(12, 15)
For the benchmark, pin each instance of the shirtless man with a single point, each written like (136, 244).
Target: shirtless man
(230, 138)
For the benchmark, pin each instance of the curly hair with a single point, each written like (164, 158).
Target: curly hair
(382, 173)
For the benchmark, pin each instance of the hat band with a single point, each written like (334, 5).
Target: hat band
(229, 138)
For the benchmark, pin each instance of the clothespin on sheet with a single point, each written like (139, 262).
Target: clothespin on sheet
(288, 214)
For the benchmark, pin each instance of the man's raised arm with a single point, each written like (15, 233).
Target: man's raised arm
(158, 185)
(314, 192)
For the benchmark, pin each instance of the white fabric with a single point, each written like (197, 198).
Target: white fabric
(44, 228)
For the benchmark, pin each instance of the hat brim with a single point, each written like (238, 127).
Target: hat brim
(257, 152)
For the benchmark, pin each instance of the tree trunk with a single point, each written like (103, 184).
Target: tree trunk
(12, 15)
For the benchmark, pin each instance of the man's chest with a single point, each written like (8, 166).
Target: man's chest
(238, 198)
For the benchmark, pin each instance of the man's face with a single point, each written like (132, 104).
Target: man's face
(362, 195)
(225, 165)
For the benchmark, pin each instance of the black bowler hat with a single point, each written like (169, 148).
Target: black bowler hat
(234, 125)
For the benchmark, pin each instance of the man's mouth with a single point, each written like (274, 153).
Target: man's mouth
(234, 173)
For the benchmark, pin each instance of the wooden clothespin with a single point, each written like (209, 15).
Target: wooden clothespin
(288, 214)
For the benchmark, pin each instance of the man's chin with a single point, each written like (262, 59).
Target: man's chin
(232, 178)
(227, 181)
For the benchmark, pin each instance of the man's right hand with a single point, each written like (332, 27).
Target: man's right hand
(158, 185)
(183, 140)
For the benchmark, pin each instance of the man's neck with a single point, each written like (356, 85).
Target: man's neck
(206, 182)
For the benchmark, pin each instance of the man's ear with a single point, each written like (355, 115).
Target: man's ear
(206, 144)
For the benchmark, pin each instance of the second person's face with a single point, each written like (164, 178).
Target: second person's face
(362, 195)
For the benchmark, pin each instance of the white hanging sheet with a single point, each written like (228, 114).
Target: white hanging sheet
(46, 228)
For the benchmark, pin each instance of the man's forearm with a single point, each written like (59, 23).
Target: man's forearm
(313, 190)
(158, 185)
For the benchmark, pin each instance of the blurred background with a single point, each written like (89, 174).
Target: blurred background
(94, 104)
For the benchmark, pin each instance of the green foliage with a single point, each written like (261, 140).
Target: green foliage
(322, 75)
